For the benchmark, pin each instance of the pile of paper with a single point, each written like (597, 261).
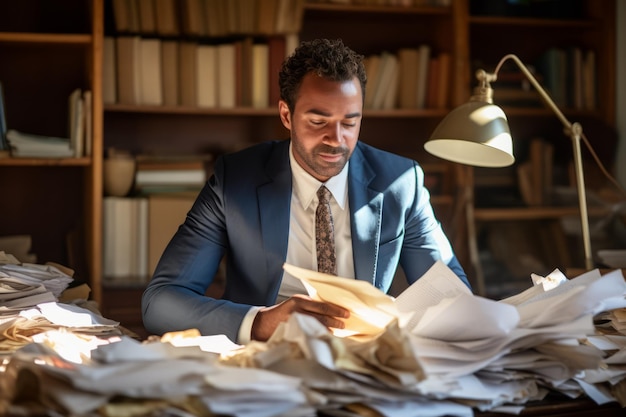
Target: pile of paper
(29, 304)
(435, 350)
(25, 285)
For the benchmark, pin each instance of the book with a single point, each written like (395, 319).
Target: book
(147, 16)
(168, 173)
(390, 98)
(214, 22)
(283, 16)
(125, 246)
(147, 177)
(187, 87)
(407, 88)
(260, 76)
(88, 111)
(167, 17)
(206, 73)
(193, 17)
(243, 72)
(443, 86)
(589, 80)
(226, 79)
(433, 83)
(267, 17)
(422, 75)
(248, 10)
(38, 146)
(150, 78)
(372, 67)
(128, 66)
(121, 15)
(4, 144)
(277, 53)
(169, 72)
(575, 77)
(76, 120)
(109, 71)
(388, 64)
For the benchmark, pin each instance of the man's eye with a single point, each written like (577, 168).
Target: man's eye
(317, 122)
(349, 124)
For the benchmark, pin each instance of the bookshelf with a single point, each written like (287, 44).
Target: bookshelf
(52, 50)
(70, 39)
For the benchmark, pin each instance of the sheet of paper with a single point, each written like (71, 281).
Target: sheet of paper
(370, 309)
(437, 283)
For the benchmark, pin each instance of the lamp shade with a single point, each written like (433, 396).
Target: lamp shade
(475, 133)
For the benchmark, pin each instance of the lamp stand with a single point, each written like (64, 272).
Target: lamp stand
(574, 131)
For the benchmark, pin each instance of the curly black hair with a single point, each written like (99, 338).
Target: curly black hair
(329, 59)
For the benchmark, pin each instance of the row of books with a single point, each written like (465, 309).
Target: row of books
(77, 143)
(137, 230)
(207, 18)
(567, 74)
(570, 76)
(152, 71)
(411, 78)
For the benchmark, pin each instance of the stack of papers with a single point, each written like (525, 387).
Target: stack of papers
(25, 285)
(435, 350)
(29, 305)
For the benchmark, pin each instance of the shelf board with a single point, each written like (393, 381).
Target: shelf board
(250, 111)
(10, 161)
(532, 213)
(351, 8)
(531, 21)
(45, 38)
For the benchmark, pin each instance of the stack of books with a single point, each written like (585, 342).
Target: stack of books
(165, 174)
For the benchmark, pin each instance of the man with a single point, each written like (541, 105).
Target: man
(258, 210)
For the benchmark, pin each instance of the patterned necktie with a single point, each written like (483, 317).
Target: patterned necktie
(324, 234)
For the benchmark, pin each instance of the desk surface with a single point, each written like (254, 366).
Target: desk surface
(560, 407)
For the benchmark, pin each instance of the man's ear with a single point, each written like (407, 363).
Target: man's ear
(285, 114)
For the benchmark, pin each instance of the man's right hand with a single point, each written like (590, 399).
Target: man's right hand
(268, 318)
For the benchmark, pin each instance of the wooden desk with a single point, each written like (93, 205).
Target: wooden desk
(563, 407)
(554, 406)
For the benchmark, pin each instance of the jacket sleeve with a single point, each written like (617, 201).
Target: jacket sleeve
(175, 297)
(425, 241)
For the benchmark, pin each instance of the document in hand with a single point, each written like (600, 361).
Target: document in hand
(371, 310)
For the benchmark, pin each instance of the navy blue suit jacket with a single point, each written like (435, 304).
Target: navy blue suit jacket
(243, 213)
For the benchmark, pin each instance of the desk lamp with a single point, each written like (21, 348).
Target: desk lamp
(477, 133)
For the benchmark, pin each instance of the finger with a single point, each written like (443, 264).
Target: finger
(322, 308)
(329, 321)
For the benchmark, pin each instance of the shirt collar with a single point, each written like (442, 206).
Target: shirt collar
(305, 186)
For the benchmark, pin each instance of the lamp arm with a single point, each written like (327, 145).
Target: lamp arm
(542, 92)
(574, 131)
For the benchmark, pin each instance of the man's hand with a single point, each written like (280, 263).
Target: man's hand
(268, 318)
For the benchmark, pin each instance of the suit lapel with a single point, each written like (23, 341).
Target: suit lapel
(365, 217)
(274, 198)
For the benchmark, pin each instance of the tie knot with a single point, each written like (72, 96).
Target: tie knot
(323, 194)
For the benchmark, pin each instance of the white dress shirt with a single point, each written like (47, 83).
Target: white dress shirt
(301, 250)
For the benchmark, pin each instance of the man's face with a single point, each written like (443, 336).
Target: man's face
(325, 124)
